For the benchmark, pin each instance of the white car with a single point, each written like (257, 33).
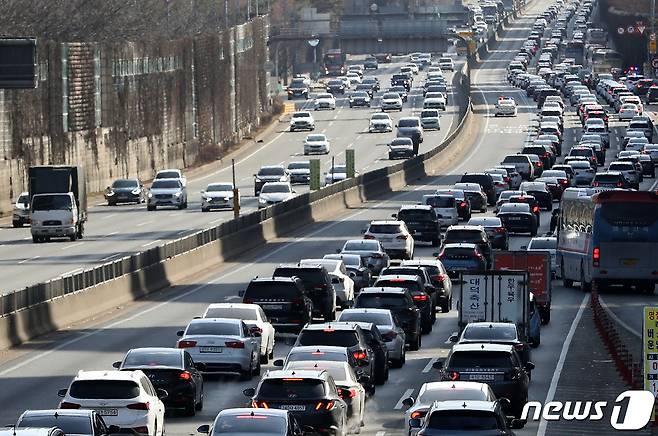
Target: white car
(413, 66)
(171, 174)
(546, 243)
(354, 78)
(217, 196)
(445, 207)
(126, 399)
(434, 100)
(380, 122)
(302, 120)
(220, 345)
(391, 101)
(317, 144)
(21, 213)
(446, 63)
(430, 119)
(274, 192)
(342, 282)
(505, 106)
(391, 332)
(627, 111)
(444, 391)
(255, 319)
(324, 100)
(335, 174)
(394, 237)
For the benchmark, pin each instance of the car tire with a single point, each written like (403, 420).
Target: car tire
(483, 209)
(205, 209)
(427, 327)
(36, 239)
(415, 346)
(17, 224)
(150, 208)
(533, 232)
(199, 406)
(258, 368)
(73, 237)
(264, 359)
(329, 317)
(445, 307)
(436, 242)
(190, 408)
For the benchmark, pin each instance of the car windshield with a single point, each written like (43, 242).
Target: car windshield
(359, 94)
(361, 246)
(297, 388)
(481, 332)
(125, 183)
(275, 189)
(416, 215)
(463, 235)
(23, 199)
(51, 202)
(408, 123)
(374, 318)
(299, 165)
(380, 117)
(220, 187)
(316, 138)
(543, 244)
(104, 389)
(213, 329)
(153, 358)
(461, 420)
(68, 424)
(166, 184)
(381, 301)
(328, 336)
(232, 313)
(301, 115)
(271, 171)
(168, 175)
(429, 114)
(391, 96)
(250, 424)
(266, 290)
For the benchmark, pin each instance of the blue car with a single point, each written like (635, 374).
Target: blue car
(460, 257)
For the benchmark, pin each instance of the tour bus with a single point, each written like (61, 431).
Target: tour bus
(608, 238)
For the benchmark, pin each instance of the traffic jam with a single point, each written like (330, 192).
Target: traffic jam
(350, 320)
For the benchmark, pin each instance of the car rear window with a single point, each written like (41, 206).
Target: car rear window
(104, 389)
(307, 275)
(153, 358)
(381, 301)
(617, 214)
(463, 236)
(291, 388)
(270, 172)
(248, 423)
(416, 215)
(487, 332)
(441, 201)
(606, 178)
(336, 338)
(384, 228)
(362, 246)
(231, 312)
(481, 179)
(304, 356)
(408, 123)
(401, 283)
(458, 253)
(515, 159)
(375, 318)
(266, 290)
(459, 420)
(213, 328)
(68, 424)
(480, 359)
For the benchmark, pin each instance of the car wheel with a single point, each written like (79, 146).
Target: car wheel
(264, 358)
(36, 239)
(73, 237)
(190, 408)
(445, 307)
(17, 224)
(436, 242)
(181, 206)
(427, 327)
(483, 209)
(331, 316)
(205, 209)
(150, 208)
(199, 405)
(257, 370)
(246, 375)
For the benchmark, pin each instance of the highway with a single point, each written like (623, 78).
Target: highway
(117, 231)
(31, 374)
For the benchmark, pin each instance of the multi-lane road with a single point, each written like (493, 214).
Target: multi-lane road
(31, 374)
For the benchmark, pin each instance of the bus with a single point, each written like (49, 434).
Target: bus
(608, 238)
(605, 60)
(334, 61)
(596, 36)
(575, 50)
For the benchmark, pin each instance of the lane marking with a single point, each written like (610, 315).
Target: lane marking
(428, 367)
(109, 216)
(541, 431)
(380, 433)
(66, 247)
(112, 234)
(27, 260)
(618, 320)
(111, 257)
(152, 242)
(70, 273)
(144, 223)
(406, 394)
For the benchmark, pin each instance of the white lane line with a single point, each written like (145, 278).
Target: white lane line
(29, 237)
(406, 394)
(99, 204)
(144, 223)
(112, 234)
(70, 273)
(111, 257)
(107, 217)
(27, 260)
(428, 367)
(654, 186)
(618, 320)
(152, 242)
(380, 433)
(66, 247)
(541, 431)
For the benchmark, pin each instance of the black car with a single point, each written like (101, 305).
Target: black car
(373, 82)
(422, 222)
(375, 340)
(494, 333)
(610, 179)
(424, 275)
(438, 277)
(401, 80)
(495, 230)
(312, 397)
(402, 92)
(283, 299)
(467, 418)
(318, 287)
(472, 235)
(371, 63)
(298, 89)
(172, 370)
(343, 334)
(125, 191)
(539, 151)
(419, 294)
(529, 200)
(540, 192)
(652, 94)
(249, 421)
(336, 86)
(367, 88)
(360, 98)
(498, 365)
(518, 218)
(485, 181)
(400, 302)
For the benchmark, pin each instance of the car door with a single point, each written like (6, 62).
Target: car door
(196, 375)
(267, 326)
(150, 391)
(251, 339)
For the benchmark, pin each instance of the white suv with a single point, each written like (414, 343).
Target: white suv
(123, 398)
(302, 121)
(394, 237)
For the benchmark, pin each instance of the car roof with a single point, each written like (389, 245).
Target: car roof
(248, 411)
(386, 222)
(61, 412)
(482, 347)
(108, 375)
(216, 320)
(318, 348)
(275, 279)
(336, 325)
(415, 207)
(233, 306)
(367, 310)
(453, 385)
(398, 277)
(460, 245)
(296, 373)
(382, 290)
(483, 406)
(465, 227)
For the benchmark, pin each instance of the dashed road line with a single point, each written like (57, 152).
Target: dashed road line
(406, 394)
(429, 366)
(152, 242)
(27, 260)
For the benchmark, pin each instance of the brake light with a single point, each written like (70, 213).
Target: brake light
(478, 255)
(326, 405)
(352, 393)
(564, 181)
(259, 404)
(463, 204)
(538, 164)
(619, 184)
(535, 209)
(185, 376)
(595, 184)
(420, 297)
(320, 287)
(596, 256)
(453, 375)
(519, 346)
(368, 237)
(66, 405)
(139, 406)
(360, 355)
(186, 344)
(141, 430)
(440, 277)
(547, 155)
(255, 329)
(248, 300)
(234, 344)
(500, 229)
(417, 414)
(401, 237)
(506, 179)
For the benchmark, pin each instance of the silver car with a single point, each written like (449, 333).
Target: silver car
(274, 192)
(222, 345)
(217, 196)
(21, 214)
(445, 207)
(300, 172)
(316, 144)
(389, 328)
(167, 192)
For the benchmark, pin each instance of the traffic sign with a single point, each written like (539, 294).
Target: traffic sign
(650, 349)
(631, 29)
(652, 37)
(641, 28)
(621, 30)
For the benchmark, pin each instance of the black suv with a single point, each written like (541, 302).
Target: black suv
(400, 302)
(318, 286)
(486, 181)
(375, 340)
(283, 299)
(423, 273)
(497, 365)
(420, 297)
(422, 222)
(343, 334)
(470, 234)
(312, 397)
(401, 80)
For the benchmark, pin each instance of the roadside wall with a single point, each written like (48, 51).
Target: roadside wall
(128, 109)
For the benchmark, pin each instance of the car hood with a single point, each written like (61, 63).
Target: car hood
(269, 178)
(383, 122)
(123, 189)
(435, 100)
(219, 194)
(324, 100)
(301, 120)
(300, 171)
(165, 191)
(391, 100)
(275, 196)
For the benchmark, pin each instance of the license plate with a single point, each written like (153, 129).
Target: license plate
(486, 377)
(211, 349)
(274, 306)
(629, 262)
(107, 412)
(514, 218)
(293, 407)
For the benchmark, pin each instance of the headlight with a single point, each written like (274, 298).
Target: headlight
(134, 191)
(36, 223)
(227, 198)
(177, 194)
(110, 193)
(150, 195)
(257, 179)
(261, 200)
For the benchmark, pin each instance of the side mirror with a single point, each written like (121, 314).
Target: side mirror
(249, 392)
(453, 338)
(62, 392)
(116, 365)
(180, 333)
(351, 274)
(529, 366)
(505, 403)
(205, 428)
(415, 423)
(363, 231)
(113, 429)
(240, 293)
(162, 394)
(394, 215)
(517, 424)
(338, 250)
(278, 363)
(200, 366)
(202, 192)
(344, 393)
(438, 364)
(436, 254)
(409, 401)
(294, 192)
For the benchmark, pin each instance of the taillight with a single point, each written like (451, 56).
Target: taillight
(186, 344)
(185, 376)
(500, 229)
(140, 430)
(139, 406)
(535, 209)
(596, 256)
(564, 181)
(360, 355)
(463, 204)
(417, 414)
(547, 155)
(325, 405)
(619, 184)
(352, 393)
(65, 405)
(537, 164)
(440, 277)
(519, 347)
(420, 297)
(368, 237)
(259, 405)
(234, 344)
(595, 184)
(453, 375)
(478, 255)
(401, 237)
(506, 179)
(320, 287)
